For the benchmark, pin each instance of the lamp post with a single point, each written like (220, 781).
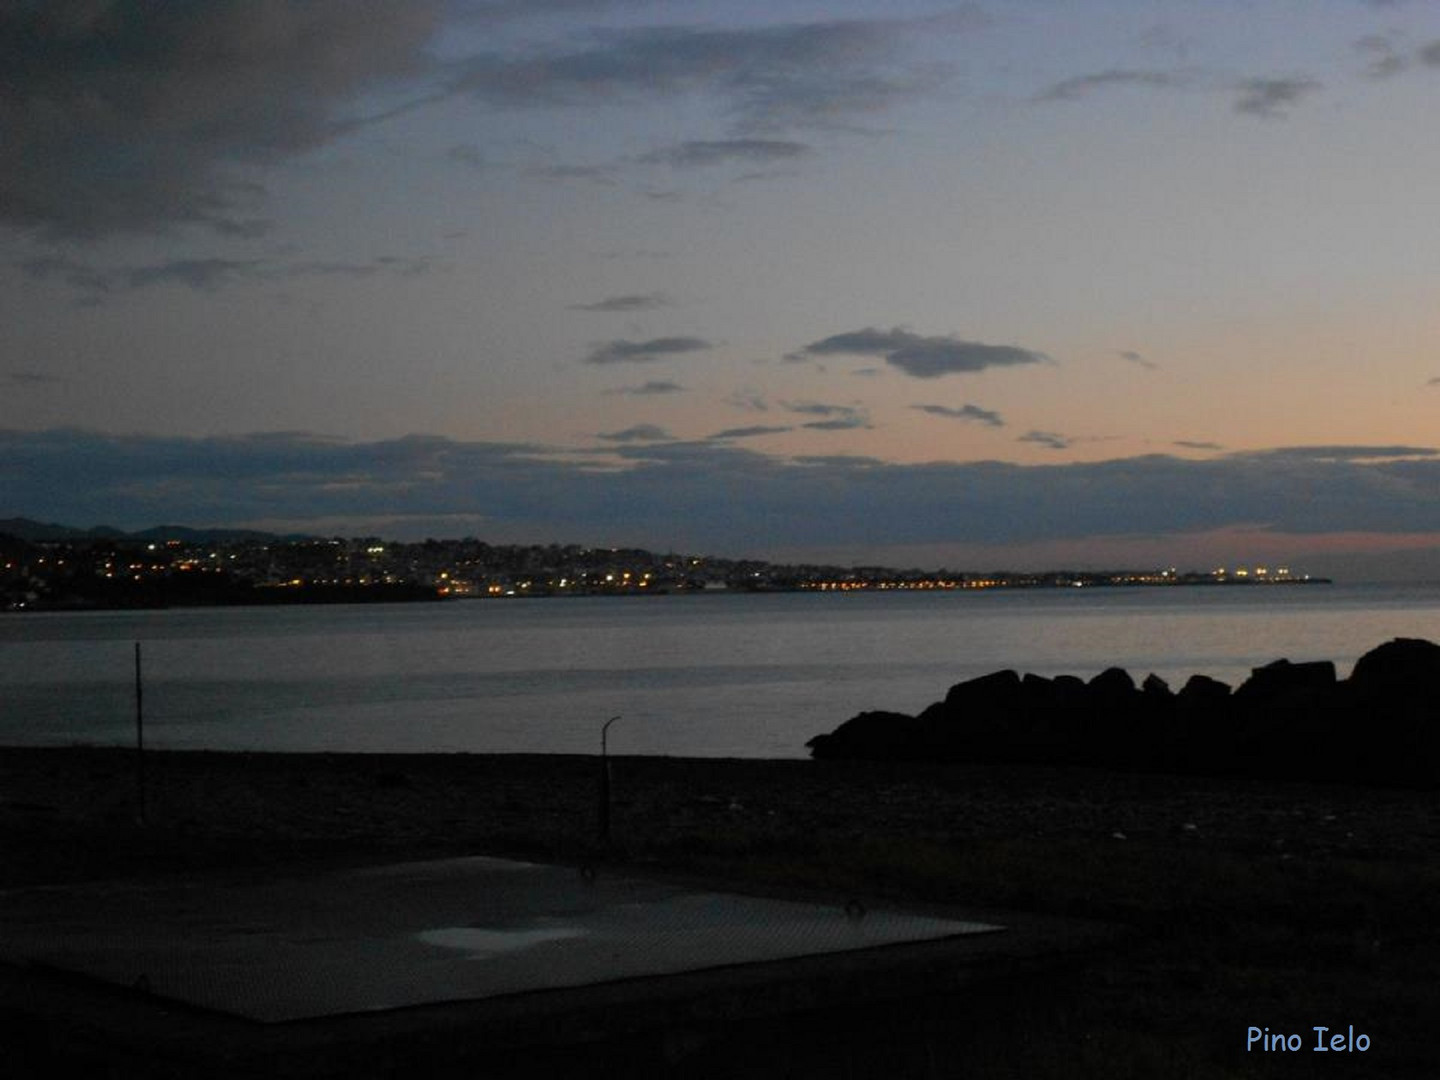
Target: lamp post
(139, 736)
(605, 780)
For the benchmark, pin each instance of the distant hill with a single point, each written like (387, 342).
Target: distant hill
(48, 532)
(201, 536)
(39, 531)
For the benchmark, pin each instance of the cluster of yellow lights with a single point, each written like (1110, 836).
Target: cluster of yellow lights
(1259, 572)
(861, 586)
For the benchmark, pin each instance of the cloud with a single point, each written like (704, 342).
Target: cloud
(749, 432)
(815, 408)
(33, 378)
(965, 412)
(208, 274)
(1382, 58)
(467, 154)
(205, 275)
(393, 265)
(748, 400)
(815, 74)
(765, 175)
(833, 417)
(632, 302)
(918, 356)
(494, 12)
(1191, 444)
(840, 423)
(127, 117)
(638, 433)
(650, 388)
(698, 154)
(595, 174)
(1337, 453)
(621, 351)
(1433, 382)
(124, 117)
(1082, 85)
(709, 495)
(1272, 98)
(1135, 358)
(1046, 438)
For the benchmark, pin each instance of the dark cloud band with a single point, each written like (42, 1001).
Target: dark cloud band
(135, 481)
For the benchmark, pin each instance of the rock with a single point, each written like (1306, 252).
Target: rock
(1290, 720)
(1205, 729)
(1287, 719)
(1400, 664)
(1156, 688)
(873, 735)
(1393, 699)
(1112, 683)
(977, 720)
(988, 691)
(1282, 679)
(1201, 691)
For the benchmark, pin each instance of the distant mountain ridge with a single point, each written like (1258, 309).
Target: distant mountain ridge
(35, 532)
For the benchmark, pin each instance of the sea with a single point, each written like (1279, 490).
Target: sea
(728, 675)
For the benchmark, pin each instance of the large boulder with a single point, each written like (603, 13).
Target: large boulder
(1393, 698)
(1290, 717)
(997, 690)
(1115, 721)
(1114, 684)
(1156, 690)
(1201, 691)
(975, 721)
(875, 735)
(1205, 728)
(1402, 665)
(1281, 680)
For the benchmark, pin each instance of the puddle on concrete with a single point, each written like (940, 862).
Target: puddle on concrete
(482, 943)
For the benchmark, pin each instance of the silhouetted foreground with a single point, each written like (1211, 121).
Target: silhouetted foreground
(1246, 901)
(1381, 725)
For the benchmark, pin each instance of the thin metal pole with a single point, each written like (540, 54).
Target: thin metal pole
(139, 734)
(605, 781)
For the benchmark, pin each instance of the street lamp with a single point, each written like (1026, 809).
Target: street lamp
(605, 780)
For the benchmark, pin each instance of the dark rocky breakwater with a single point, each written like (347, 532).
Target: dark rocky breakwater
(1292, 720)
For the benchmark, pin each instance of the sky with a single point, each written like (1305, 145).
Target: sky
(1025, 284)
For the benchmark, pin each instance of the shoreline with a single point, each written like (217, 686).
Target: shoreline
(367, 595)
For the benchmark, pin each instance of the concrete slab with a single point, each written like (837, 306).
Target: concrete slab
(384, 938)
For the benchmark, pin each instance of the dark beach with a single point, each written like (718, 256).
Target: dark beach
(1241, 902)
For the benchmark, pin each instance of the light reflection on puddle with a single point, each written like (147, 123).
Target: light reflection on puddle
(482, 943)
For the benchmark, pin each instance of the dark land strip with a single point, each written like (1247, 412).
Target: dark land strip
(1240, 901)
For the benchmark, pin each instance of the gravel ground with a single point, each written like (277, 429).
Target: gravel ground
(208, 807)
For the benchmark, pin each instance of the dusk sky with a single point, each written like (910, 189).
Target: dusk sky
(1029, 284)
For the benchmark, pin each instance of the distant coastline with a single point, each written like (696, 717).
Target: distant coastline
(57, 568)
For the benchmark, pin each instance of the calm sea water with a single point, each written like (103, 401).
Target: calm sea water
(722, 676)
